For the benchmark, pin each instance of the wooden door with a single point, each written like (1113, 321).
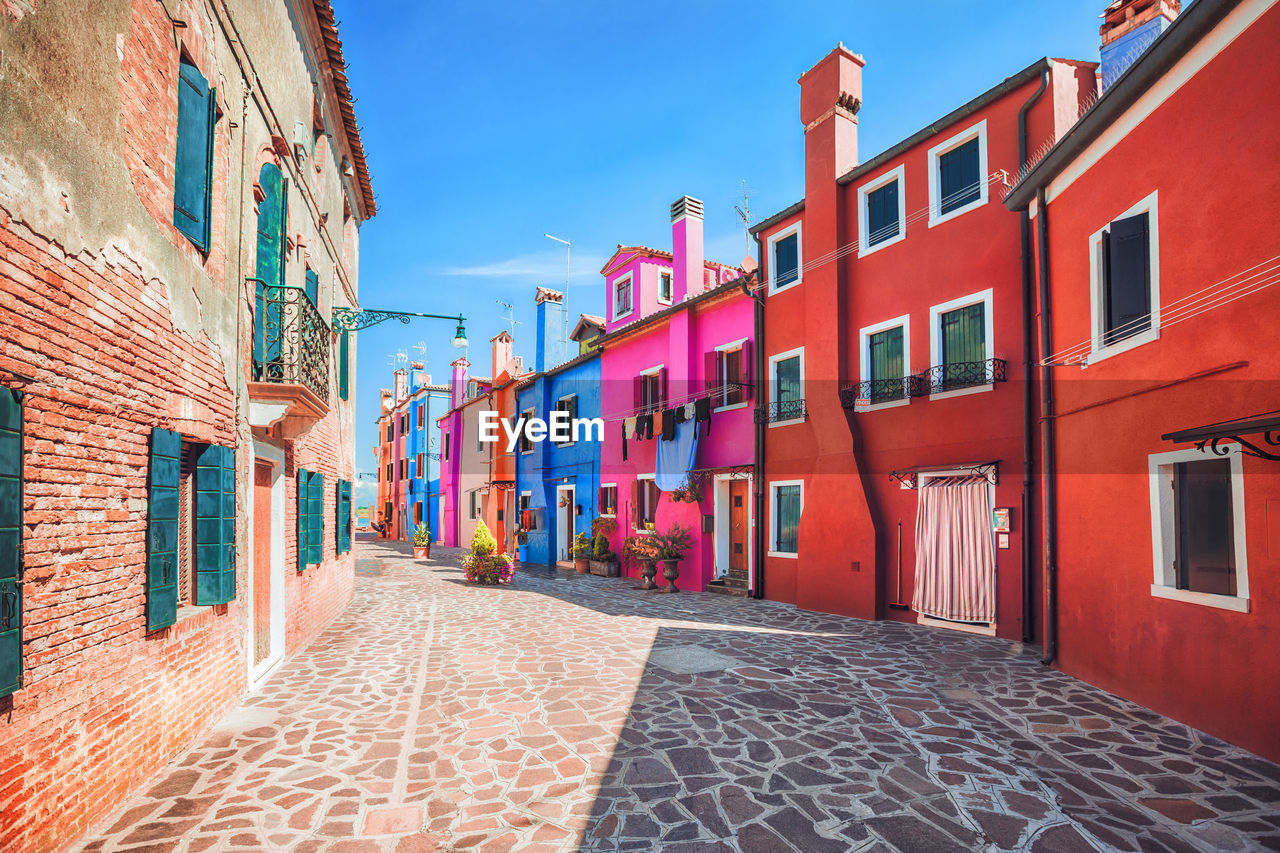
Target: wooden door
(738, 535)
(261, 561)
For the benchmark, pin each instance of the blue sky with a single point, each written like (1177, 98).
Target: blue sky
(487, 125)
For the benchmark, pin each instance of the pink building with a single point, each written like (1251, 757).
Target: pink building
(678, 345)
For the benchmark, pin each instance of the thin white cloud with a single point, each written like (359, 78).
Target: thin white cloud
(545, 268)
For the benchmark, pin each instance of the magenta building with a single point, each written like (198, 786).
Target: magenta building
(677, 358)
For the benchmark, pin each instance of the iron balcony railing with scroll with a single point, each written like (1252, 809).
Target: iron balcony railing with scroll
(291, 340)
(934, 380)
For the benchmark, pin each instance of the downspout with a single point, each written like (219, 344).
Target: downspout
(1028, 330)
(1049, 462)
(757, 470)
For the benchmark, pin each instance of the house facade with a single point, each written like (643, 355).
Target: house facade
(1163, 494)
(177, 238)
(557, 483)
(408, 456)
(914, 403)
(678, 347)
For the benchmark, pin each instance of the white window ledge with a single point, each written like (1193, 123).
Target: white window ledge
(790, 555)
(730, 407)
(962, 392)
(1207, 599)
(884, 244)
(1103, 353)
(787, 422)
(875, 407)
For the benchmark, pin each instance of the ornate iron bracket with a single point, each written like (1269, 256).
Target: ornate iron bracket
(1271, 437)
(352, 320)
(990, 471)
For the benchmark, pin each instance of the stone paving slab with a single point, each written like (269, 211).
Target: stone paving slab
(571, 712)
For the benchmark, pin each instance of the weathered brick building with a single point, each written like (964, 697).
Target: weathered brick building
(181, 188)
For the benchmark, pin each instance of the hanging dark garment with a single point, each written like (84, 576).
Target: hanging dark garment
(681, 416)
(702, 412)
(644, 426)
(624, 442)
(668, 425)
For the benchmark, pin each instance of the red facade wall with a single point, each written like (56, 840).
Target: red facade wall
(1218, 201)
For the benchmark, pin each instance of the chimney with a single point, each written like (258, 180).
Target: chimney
(402, 385)
(1128, 29)
(552, 347)
(686, 248)
(830, 97)
(458, 383)
(501, 353)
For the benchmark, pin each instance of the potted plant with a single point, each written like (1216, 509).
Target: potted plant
(603, 562)
(672, 545)
(644, 551)
(421, 542)
(482, 565)
(582, 551)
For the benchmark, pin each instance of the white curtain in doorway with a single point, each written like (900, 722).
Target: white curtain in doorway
(955, 561)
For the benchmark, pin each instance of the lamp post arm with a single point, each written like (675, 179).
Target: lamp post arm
(351, 319)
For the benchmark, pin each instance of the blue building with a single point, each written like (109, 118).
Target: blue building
(409, 461)
(557, 484)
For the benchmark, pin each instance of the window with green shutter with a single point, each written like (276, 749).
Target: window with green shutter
(193, 163)
(304, 516)
(315, 522)
(959, 176)
(887, 365)
(163, 479)
(11, 454)
(273, 215)
(343, 526)
(215, 580)
(313, 287)
(344, 364)
(964, 345)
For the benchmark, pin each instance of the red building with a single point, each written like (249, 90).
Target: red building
(1156, 221)
(894, 354)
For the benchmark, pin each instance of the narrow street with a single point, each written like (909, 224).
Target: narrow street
(575, 713)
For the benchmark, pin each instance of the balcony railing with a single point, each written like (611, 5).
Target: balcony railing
(291, 340)
(962, 374)
(783, 410)
(876, 391)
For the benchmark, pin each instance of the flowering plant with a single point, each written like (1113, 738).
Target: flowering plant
(582, 545)
(640, 548)
(482, 565)
(673, 543)
(687, 491)
(602, 524)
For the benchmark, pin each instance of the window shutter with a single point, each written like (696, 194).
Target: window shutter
(637, 392)
(304, 516)
(711, 371)
(1127, 278)
(746, 369)
(284, 229)
(634, 509)
(342, 504)
(344, 368)
(600, 500)
(662, 389)
(162, 528)
(215, 525)
(573, 408)
(11, 489)
(313, 287)
(315, 523)
(193, 162)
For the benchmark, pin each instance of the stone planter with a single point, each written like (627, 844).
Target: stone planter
(671, 571)
(648, 569)
(604, 568)
(422, 552)
(582, 565)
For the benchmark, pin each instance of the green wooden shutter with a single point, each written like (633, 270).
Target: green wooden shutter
(304, 516)
(10, 540)
(344, 364)
(342, 502)
(215, 581)
(313, 287)
(886, 364)
(162, 528)
(268, 265)
(315, 521)
(193, 164)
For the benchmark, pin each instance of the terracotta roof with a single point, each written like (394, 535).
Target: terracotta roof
(346, 103)
(726, 288)
(530, 378)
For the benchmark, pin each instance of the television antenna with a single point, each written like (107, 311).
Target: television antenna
(510, 317)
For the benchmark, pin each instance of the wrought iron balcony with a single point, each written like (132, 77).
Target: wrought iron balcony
(962, 374)
(290, 341)
(876, 391)
(783, 410)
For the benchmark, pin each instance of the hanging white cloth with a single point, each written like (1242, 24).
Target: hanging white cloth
(955, 560)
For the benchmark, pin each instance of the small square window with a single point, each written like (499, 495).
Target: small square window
(608, 503)
(664, 287)
(785, 259)
(882, 214)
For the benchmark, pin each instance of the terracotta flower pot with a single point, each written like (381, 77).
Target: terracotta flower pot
(422, 552)
(582, 565)
(671, 571)
(648, 569)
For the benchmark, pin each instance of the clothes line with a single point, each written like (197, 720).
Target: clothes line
(676, 402)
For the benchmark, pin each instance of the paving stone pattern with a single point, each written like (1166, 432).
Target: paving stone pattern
(573, 712)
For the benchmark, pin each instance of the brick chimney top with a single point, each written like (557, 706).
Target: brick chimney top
(546, 294)
(1125, 16)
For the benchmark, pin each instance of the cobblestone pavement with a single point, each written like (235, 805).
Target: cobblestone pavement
(577, 713)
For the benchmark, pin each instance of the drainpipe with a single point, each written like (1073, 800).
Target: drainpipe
(1028, 424)
(1048, 453)
(757, 472)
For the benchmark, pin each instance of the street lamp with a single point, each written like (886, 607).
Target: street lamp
(460, 336)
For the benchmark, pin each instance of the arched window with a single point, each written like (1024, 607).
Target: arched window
(269, 296)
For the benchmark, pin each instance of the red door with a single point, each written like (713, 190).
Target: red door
(738, 490)
(261, 561)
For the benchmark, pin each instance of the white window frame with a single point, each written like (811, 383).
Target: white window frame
(1164, 548)
(670, 274)
(771, 244)
(935, 337)
(639, 520)
(774, 485)
(1097, 294)
(864, 216)
(773, 382)
(651, 371)
(729, 347)
(613, 295)
(520, 442)
(571, 440)
(599, 510)
(864, 349)
(978, 131)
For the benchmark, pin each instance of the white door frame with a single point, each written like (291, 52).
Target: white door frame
(985, 629)
(723, 514)
(564, 524)
(269, 453)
